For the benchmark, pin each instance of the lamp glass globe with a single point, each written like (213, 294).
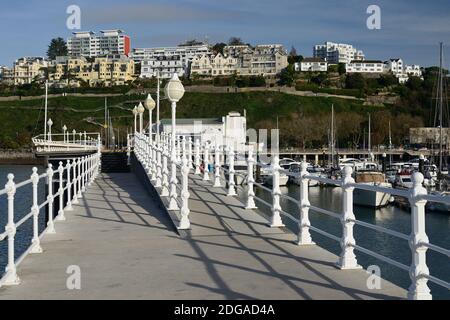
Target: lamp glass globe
(149, 103)
(174, 89)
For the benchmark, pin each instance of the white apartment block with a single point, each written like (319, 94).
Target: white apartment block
(165, 57)
(365, 66)
(398, 68)
(166, 66)
(265, 60)
(210, 65)
(335, 53)
(88, 44)
(28, 69)
(311, 65)
(413, 70)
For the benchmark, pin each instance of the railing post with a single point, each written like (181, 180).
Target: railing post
(36, 242)
(83, 174)
(231, 183)
(69, 188)
(60, 216)
(206, 163)
(217, 183)
(165, 173)
(197, 157)
(173, 205)
(75, 181)
(11, 277)
(276, 221)
(50, 199)
(79, 195)
(250, 181)
(418, 270)
(347, 259)
(184, 221)
(304, 236)
(190, 162)
(154, 160)
(158, 182)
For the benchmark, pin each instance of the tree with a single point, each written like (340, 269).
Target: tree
(192, 42)
(293, 52)
(341, 68)
(218, 47)
(355, 81)
(287, 76)
(57, 48)
(235, 41)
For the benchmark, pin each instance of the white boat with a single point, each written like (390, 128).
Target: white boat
(373, 199)
(435, 206)
(284, 178)
(294, 171)
(404, 180)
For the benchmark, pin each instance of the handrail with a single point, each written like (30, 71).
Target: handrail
(85, 170)
(196, 156)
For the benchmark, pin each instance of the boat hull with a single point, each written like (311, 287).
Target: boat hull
(371, 199)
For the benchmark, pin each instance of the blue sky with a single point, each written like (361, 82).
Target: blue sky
(411, 29)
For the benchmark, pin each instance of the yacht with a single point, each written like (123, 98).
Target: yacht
(372, 199)
(295, 169)
(404, 180)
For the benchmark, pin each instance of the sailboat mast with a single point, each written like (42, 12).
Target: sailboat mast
(390, 143)
(441, 104)
(332, 137)
(369, 141)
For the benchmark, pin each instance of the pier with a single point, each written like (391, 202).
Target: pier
(127, 247)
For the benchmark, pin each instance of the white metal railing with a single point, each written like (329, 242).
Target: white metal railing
(67, 142)
(79, 173)
(209, 162)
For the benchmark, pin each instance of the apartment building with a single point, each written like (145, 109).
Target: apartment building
(28, 69)
(214, 65)
(105, 71)
(265, 60)
(311, 65)
(168, 60)
(398, 68)
(365, 66)
(335, 53)
(88, 44)
(165, 65)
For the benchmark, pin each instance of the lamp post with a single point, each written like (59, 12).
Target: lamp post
(64, 133)
(174, 91)
(140, 110)
(150, 105)
(49, 123)
(135, 113)
(157, 105)
(74, 133)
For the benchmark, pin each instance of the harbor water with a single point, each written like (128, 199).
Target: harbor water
(22, 206)
(437, 226)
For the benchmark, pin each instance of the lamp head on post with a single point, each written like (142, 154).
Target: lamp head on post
(135, 112)
(64, 128)
(50, 122)
(149, 103)
(174, 89)
(140, 108)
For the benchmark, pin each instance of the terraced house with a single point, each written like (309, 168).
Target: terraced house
(214, 65)
(28, 69)
(264, 60)
(103, 71)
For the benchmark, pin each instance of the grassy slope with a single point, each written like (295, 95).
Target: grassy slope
(20, 116)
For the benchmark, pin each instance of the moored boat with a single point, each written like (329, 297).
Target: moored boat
(374, 199)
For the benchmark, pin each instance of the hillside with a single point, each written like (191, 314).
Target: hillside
(304, 121)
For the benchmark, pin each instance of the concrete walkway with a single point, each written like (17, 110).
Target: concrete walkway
(127, 248)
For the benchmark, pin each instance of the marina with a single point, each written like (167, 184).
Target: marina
(318, 223)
